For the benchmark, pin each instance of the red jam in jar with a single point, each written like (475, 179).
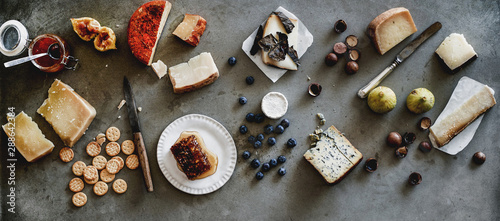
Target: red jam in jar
(58, 53)
(42, 46)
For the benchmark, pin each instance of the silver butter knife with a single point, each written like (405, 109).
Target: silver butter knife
(404, 54)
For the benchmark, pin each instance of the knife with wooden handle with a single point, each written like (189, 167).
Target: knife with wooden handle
(138, 140)
(404, 54)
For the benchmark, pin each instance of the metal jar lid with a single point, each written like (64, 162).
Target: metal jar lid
(14, 38)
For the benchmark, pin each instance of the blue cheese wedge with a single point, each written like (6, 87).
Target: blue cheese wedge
(333, 156)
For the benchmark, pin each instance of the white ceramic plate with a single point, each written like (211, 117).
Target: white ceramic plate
(216, 138)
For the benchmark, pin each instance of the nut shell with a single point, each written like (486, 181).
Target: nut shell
(415, 179)
(340, 26)
(402, 152)
(371, 164)
(339, 48)
(409, 138)
(351, 41)
(354, 55)
(424, 123)
(315, 89)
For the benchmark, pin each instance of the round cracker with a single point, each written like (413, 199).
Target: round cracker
(100, 188)
(113, 134)
(93, 149)
(120, 186)
(128, 147)
(132, 162)
(112, 149)
(79, 199)
(76, 185)
(91, 182)
(113, 166)
(66, 154)
(78, 168)
(106, 176)
(120, 160)
(99, 162)
(90, 173)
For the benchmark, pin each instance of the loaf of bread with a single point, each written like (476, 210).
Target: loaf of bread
(390, 28)
(199, 71)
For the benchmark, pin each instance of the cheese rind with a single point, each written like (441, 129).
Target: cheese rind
(454, 51)
(69, 114)
(28, 138)
(273, 26)
(390, 28)
(191, 29)
(199, 71)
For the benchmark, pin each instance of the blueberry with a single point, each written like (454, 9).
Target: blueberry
(243, 129)
(242, 100)
(257, 144)
(251, 139)
(259, 118)
(271, 141)
(266, 167)
(249, 80)
(282, 171)
(259, 175)
(285, 123)
(281, 159)
(268, 129)
(291, 142)
(246, 154)
(231, 61)
(255, 163)
(260, 137)
(279, 129)
(250, 117)
(273, 162)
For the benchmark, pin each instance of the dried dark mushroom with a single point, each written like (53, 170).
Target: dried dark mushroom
(287, 23)
(354, 54)
(293, 54)
(258, 37)
(371, 164)
(401, 152)
(415, 178)
(351, 67)
(340, 26)
(351, 41)
(394, 139)
(479, 158)
(268, 42)
(408, 138)
(425, 146)
(339, 48)
(331, 59)
(424, 123)
(315, 89)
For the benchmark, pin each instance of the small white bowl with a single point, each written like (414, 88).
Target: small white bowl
(274, 105)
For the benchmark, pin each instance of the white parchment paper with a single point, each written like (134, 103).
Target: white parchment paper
(463, 91)
(305, 40)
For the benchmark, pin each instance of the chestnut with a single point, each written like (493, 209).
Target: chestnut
(351, 67)
(315, 89)
(425, 146)
(340, 26)
(331, 59)
(394, 139)
(415, 178)
(424, 123)
(354, 54)
(371, 164)
(351, 41)
(408, 138)
(401, 152)
(479, 158)
(339, 48)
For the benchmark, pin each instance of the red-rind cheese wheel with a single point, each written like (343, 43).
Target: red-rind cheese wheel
(145, 27)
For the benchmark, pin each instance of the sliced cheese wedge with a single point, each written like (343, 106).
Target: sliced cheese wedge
(455, 52)
(273, 26)
(159, 68)
(191, 29)
(28, 138)
(69, 114)
(199, 71)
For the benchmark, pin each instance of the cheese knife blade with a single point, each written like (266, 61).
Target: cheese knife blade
(403, 55)
(136, 130)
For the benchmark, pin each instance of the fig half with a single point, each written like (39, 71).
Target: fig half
(105, 40)
(87, 28)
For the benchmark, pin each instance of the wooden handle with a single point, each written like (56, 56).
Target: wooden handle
(143, 158)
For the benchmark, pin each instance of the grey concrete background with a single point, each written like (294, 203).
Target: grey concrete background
(453, 188)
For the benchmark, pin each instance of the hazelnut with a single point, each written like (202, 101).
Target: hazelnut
(351, 41)
(331, 59)
(401, 152)
(315, 89)
(425, 146)
(354, 54)
(371, 164)
(479, 158)
(340, 26)
(424, 123)
(351, 67)
(339, 48)
(415, 178)
(408, 138)
(394, 139)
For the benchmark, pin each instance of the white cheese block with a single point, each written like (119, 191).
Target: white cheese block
(159, 68)
(273, 26)
(69, 114)
(461, 110)
(390, 28)
(454, 51)
(196, 73)
(333, 156)
(28, 138)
